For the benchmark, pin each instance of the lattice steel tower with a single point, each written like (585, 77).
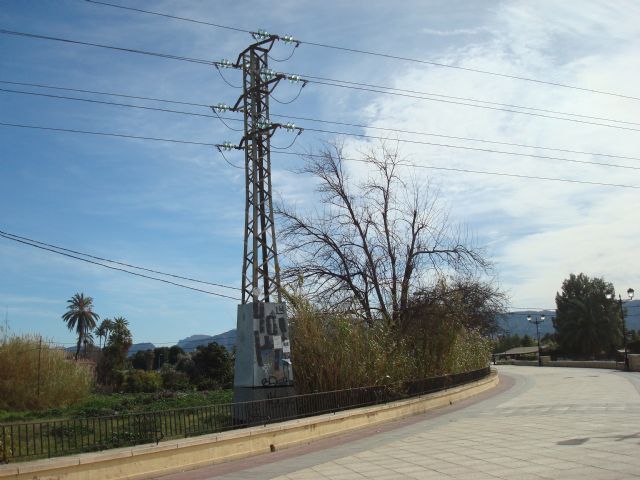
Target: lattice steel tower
(260, 269)
(263, 350)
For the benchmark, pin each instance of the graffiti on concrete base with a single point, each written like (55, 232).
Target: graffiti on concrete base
(272, 345)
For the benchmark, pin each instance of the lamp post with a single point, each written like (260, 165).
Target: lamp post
(537, 321)
(611, 296)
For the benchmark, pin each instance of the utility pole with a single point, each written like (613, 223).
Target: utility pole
(611, 296)
(39, 361)
(537, 322)
(263, 349)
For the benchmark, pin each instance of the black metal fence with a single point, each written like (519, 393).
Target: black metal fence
(25, 441)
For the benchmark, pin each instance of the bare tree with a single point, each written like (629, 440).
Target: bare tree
(474, 303)
(372, 243)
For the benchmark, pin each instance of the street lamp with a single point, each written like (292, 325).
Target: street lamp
(537, 321)
(611, 296)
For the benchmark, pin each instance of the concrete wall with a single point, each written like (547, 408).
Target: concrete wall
(634, 363)
(147, 461)
(585, 364)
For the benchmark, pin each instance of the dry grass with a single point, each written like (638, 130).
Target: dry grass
(333, 352)
(59, 383)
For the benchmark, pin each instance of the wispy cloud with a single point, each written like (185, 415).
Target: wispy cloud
(180, 208)
(454, 32)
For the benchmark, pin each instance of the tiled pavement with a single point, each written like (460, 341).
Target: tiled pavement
(552, 423)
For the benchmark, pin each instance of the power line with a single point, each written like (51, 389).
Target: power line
(110, 47)
(79, 90)
(52, 344)
(465, 99)
(486, 72)
(217, 25)
(388, 56)
(482, 172)
(103, 102)
(35, 245)
(119, 263)
(532, 309)
(462, 147)
(536, 309)
(453, 137)
(108, 134)
(444, 145)
(387, 91)
(310, 119)
(351, 85)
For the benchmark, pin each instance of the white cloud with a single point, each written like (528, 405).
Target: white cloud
(538, 231)
(179, 208)
(454, 32)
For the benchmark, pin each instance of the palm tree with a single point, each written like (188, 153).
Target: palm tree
(80, 317)
(120, 334)
(88, 340)
(103, 330)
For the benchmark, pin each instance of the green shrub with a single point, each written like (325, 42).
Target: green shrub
(139, 381)
(212, 368)
(470, 351)
(174, 380)
(60, 382)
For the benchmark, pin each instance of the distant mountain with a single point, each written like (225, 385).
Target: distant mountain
(140, 347)
(189, 344)
(513, 323)
(516, 322)
(226, 339)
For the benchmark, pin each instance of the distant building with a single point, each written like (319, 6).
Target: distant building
(516, 353)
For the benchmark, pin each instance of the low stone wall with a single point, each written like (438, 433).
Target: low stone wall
(146, 461)
(527, 363)
(610, 364)
(634, 363)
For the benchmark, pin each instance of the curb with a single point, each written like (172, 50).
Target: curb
(144, 461)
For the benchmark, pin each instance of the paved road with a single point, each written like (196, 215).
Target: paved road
(543, 423)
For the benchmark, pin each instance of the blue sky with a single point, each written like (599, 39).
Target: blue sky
(179, 208)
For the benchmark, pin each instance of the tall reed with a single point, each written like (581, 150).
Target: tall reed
(35, 376)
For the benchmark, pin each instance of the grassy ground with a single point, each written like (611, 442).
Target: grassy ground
(120, 403)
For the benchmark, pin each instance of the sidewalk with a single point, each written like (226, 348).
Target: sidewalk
(553, 423)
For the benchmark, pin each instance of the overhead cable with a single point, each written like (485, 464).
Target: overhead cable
(120, 263)
(475, 149)
(8, 236)
(387, 55)
(352, 134)
(481, 172)
(135, 137)
(350, 85)
(388, 91)
(332, 122)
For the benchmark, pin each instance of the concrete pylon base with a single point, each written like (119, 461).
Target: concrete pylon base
(263, 367)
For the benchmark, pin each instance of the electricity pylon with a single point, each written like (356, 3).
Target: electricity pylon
(260, 268)
(263, 350)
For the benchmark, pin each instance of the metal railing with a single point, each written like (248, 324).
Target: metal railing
(26, 441)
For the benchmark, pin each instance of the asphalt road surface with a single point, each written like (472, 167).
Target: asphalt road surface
(539, 423)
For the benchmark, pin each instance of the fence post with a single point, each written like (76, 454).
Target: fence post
(17, 440)
(3, 445)
(39, 361)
